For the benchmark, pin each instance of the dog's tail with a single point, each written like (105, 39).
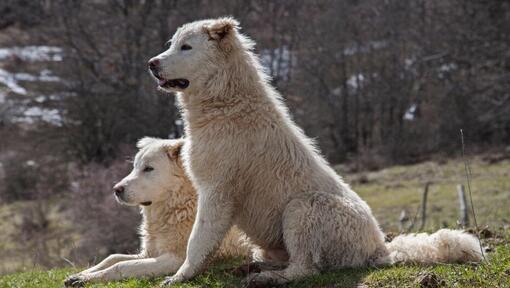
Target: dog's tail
(443, 246)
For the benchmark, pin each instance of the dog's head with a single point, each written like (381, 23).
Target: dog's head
(195, 52)
(157, 172)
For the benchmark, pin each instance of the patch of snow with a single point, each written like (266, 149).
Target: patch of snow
(277, 60)
(337, 91)
(9, 80)
(44, 76)
(51, 116)
(75, 185)
(410, 112)
(447, 67)
(32, 53)
(355, 81)
(30, 163)
(24, 77)
(408, 62)
(52, 97)
(40, 99)
(372, 45)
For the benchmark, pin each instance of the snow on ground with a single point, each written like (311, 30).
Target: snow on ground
(9, 80)
(32, 114)
(44, 76)
(447, 67)
(365, 48)
(277, 61)
(410, 113)
(13, 82)
(355, 81)
(32, 53)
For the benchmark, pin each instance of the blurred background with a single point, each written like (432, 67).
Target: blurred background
(383, 86)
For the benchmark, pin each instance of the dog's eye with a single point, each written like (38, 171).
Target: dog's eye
(168, 44)
(148, 169)
(185, 47)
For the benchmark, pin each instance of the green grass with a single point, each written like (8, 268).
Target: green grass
(391, 190)
(493, 273)
(387, 191)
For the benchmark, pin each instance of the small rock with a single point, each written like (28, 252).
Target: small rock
(429, 280)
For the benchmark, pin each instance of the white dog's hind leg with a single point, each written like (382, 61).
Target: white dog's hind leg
(320, 231)
(148, 267)
(213, 220)
(298, 238)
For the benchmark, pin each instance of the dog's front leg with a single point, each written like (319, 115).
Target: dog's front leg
(107, 262)
(147, 267)
(111, 260)
(213, 220)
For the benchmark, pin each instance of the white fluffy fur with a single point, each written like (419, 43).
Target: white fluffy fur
(167, 222)
(255, 168)
(444, 246)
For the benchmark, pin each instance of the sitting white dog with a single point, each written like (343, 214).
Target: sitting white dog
(168, 204)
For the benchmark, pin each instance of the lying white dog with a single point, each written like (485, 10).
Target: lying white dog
(168, 204)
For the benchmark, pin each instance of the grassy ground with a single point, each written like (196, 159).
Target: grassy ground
(388, 192)
(391, 190)
(494, 273)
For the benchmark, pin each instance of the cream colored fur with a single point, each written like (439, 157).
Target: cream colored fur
(167, 222)
(253, 167)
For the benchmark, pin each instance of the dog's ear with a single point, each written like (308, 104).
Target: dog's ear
(222, 28)
(173, 149)
(145, 141)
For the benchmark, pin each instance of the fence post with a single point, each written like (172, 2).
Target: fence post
(424, 206)
(402, 220)
(464, 216)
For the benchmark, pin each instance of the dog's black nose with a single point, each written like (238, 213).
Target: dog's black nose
(118, 190)
(154, 64)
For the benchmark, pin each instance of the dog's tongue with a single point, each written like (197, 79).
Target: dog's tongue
(161, 82)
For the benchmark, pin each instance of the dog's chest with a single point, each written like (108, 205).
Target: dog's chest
(209, 161)
(237, 167)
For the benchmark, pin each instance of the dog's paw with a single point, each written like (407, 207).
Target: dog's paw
(76, 280)
(171, 280)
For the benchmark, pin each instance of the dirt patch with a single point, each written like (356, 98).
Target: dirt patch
(429, 280)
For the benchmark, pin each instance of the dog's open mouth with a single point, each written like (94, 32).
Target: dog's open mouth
(146, 203)
(173, 83)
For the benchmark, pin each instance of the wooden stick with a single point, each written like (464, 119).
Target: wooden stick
(424, 206)
(402, 220)
(464, 216)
